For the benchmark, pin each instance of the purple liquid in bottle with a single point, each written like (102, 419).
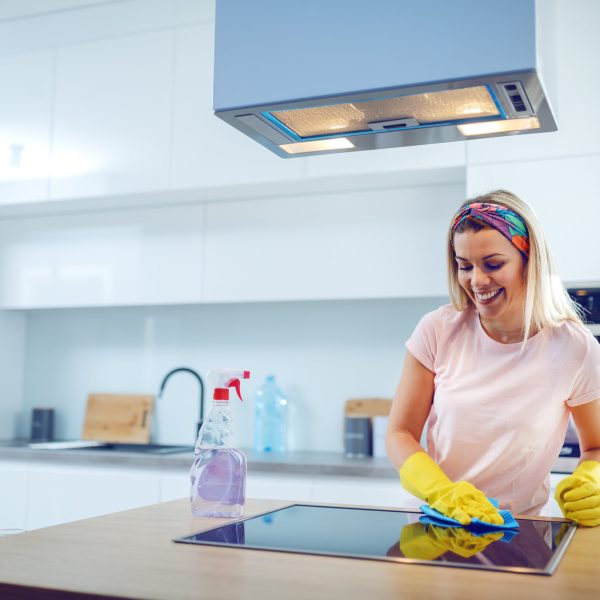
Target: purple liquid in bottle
(218, 478)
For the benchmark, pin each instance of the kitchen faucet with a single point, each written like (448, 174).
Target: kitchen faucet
(192, 372)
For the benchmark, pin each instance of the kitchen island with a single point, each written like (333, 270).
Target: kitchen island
(130, 554)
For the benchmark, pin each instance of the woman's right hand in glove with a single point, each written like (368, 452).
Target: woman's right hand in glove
(460, 500)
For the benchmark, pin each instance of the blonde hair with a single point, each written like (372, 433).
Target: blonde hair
(547, 303)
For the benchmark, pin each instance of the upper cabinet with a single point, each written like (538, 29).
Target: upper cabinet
(364, 244)
(571, 52)
(564, 194)
(129, 112)
(25, 117)
(112, 116)
(206, 151)
(129, 257)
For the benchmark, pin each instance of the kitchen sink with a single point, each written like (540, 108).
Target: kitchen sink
(142, 448)
(93, 446)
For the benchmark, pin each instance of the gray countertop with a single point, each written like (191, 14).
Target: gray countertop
(291, 463)
(294, 463)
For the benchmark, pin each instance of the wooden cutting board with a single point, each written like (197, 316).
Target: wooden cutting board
(368, 407)
(120, 418)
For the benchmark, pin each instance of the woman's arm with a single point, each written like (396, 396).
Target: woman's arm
(419, 474)
(410, 409)
(587, 421)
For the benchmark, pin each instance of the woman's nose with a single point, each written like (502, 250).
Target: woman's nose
(479, 279)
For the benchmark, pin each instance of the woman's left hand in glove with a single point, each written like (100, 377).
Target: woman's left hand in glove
(578, 495)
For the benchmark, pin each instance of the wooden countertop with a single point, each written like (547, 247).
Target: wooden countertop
(130, 555)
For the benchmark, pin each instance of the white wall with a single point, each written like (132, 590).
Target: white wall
(322, 353)
(12, 365)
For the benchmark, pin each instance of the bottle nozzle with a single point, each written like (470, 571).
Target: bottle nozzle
(228, 378)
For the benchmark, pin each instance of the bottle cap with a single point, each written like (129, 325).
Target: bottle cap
(221, 394)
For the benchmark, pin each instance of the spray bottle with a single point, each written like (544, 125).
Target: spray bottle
(218, 475)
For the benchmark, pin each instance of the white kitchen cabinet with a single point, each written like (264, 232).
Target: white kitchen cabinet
(372, 491)
(13, 498)
(25, 116)
(279, 487)
(174, 485)
(551, 509)
(363, 244)
(44, 494)
(571, 52)
(36, 24)
(206, 151)
(112, 116)
(564, 194)
(60, 493)
(149, 256)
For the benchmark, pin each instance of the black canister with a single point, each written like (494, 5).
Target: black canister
(358, 437)
(42, 424)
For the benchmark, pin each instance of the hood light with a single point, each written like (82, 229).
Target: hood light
(317, 146)
(506, 125)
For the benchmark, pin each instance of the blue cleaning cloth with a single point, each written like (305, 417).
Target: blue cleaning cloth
(476, 527)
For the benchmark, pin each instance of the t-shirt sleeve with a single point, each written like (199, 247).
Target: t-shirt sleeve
(423, 342)
(586, 386)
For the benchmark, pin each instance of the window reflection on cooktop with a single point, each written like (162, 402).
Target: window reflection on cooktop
(536, 547)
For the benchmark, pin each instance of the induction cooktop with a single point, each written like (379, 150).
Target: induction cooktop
(394, 535)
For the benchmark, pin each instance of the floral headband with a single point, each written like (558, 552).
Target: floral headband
(502, 219)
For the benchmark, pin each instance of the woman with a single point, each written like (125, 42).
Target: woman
(496, 375)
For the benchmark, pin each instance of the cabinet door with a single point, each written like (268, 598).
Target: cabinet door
(551, 509)
(151, 256)
(175, 485)
(60, 494)
(363, 490)
(112, 116)
(25, 107)
(567, 32)
(295, 488)
(375, 244)
(13, 499)
(206, 151)
(563, 193)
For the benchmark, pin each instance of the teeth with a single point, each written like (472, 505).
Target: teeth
(488, 295)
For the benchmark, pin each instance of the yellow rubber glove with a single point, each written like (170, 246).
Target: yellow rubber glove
(428, 542)
(578, 495)
(462, 501)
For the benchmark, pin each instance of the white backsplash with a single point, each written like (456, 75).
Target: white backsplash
(322, 353)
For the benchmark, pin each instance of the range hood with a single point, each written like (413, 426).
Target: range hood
(304, 77)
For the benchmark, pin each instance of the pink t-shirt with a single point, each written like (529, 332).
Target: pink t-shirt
(499, 416)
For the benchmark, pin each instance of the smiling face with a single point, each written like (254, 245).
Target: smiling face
(491, 272)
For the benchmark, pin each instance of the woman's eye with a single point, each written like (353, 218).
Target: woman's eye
(493, 267)
(464, 268)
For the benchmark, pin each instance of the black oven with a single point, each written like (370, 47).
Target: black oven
(589, 299)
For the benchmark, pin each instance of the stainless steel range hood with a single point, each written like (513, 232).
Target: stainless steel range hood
(305, 77)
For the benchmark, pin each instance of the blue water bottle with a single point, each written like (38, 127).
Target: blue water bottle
(270, 418)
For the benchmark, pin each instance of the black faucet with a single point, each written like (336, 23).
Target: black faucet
(192, 372)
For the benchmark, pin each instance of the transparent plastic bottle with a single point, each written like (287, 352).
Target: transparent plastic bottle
(218, 475)
(270, 418)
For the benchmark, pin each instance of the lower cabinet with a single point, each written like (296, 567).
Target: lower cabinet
(41, 495)
(13, 496)
(59, 494)
(551, 509)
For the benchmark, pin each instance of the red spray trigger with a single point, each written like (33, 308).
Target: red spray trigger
(235, 383)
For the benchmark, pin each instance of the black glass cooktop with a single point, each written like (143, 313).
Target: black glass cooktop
(394, 535)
